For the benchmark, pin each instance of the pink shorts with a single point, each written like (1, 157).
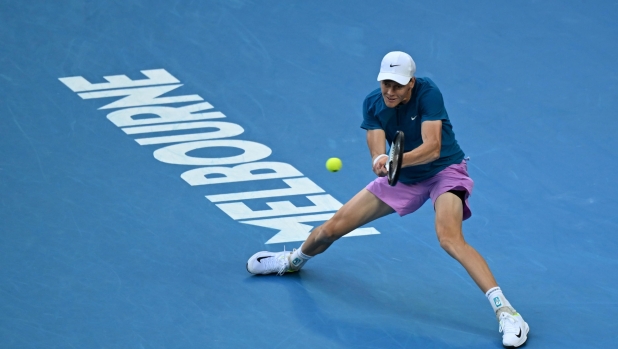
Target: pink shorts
(407, 198)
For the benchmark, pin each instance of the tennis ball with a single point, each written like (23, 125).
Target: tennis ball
(333, 164)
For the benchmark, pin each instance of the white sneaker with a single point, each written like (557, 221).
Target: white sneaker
(514, 329)
(265, 262)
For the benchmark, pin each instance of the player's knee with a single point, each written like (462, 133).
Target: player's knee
(447, 244)
(450, 241)
(329, 232)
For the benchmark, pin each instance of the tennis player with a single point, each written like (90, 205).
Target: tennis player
(433, 168)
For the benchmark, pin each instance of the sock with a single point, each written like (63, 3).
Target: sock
(298, 258)
(498, 302)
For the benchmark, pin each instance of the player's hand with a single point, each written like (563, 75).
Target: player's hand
(379, 167)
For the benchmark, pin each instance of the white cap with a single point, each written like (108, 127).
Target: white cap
(397, 66)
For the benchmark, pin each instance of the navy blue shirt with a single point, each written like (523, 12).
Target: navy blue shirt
(425, 104)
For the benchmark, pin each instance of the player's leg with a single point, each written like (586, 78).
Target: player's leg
(363, 208)
(449, 216)
(449, 213)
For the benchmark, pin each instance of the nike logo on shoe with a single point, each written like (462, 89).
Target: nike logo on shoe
(519, 335)
(396, 65)
(260, 258)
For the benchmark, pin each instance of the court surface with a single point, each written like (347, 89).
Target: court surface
(104, 245)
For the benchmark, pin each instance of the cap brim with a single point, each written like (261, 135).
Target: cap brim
(402, 80)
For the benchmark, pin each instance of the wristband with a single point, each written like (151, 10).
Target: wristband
(377, 158)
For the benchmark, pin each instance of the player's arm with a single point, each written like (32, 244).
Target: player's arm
(431, 132)
(376, 141)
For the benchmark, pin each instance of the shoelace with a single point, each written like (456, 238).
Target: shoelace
(508, 324)
(285, 262)
(283, 265)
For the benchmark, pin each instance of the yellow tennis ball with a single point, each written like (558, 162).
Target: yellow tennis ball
(333, 164)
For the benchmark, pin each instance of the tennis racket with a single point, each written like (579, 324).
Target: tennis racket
(395, 158)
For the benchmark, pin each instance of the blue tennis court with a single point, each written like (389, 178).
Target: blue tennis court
(148, 148)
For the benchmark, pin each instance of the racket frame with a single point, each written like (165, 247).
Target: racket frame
(395, 158)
